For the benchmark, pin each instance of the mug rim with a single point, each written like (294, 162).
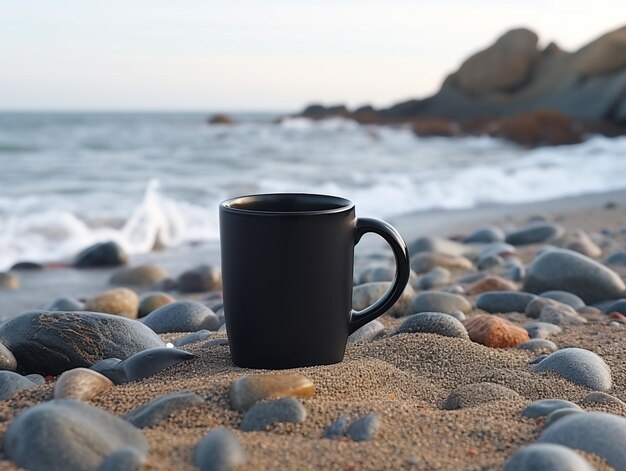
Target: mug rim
(346, 205)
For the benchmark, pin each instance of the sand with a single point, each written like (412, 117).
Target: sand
(404, 379)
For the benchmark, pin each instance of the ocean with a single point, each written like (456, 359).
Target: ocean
(68, 180)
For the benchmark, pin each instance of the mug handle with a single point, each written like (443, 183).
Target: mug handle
(401, 278)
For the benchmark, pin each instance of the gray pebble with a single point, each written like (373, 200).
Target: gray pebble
(558, 414)
(485, 235)
(152, 361)
(123, 459)
(35, 378)
(562, 315)
(7, 360)
(364, 428)
(544, 407)
(602, 398)
(181, 316)
(535, 233)
(542, 330)
(470, 395)
(579, 366)
(192, 338)
(617, 306)
(201, 278)
(367, 294)
(11, 383)
(458, 315)
(616, 259)
(220, 450)
(489, 262)
(370, 331)
(436, 244)
(338, 428)
(161, 408)
(215, 342)
(539, 345)
(435, 278)
(564, 297)
(546, 457)
(112, 368)
(435, 301)
(433, 323)
(66, 303)
(263, 414)
(538, 359)
(504, 301)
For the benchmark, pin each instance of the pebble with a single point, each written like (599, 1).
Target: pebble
(500, 249)
(436, 301)
(485, 235)
(367, 294)
(182, 316)
(85, 434)
(152, 301)
(160, 409)
(436, 244)
(201, 278)
(579, 366)
(535, 233)
(617, 306)
(123, 459)
(35, 378)
(26, 266)
(152, 361)
(458, 315)
(537, 359)
(104, 254)
(7, 359)
(220, 450)
(492, 283)
(470, 395)
(454, 289)
(370, 331)
(565, 270)
(602, 398)
(426, 261)
(495, 332)
(215, 342)
(580, 242)
(616, 259)
(546, 457)
(263, 414)
(539, 345)
(248, 390)
(112, 369)
(142, 275)
(561, 314)
(544, 407)
(338, 428)
(490, 262)
(377, 273)
(504, 301)
(9, 281)
(514, 270)
(81, 384)
(192, 338)
(542, 330)
(364, 428)
(433, 323)
(594, 432)
(558, 414)
(564, 297)
(50, 343)
(119, 301)
(11, 383)
(435, 278)
(66, 303)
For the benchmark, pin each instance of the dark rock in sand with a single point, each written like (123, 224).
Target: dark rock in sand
(434, 301)
(263, 414)
(535, 233)
(367, 294)
(617, 306)
(433, 323)
(338, 428)
(617, 259)
(221, 118)
(104, 254)
(544, 407)
(470, 395)
(182, 316)
(123, 459)
(63, 434)
(152, 361)
(547, 457)
(220, 450)
(7, 359)
(11, 383)
(485, 235)
(564, 297)
(539, 345)
(504, 301)
(202, 278)
(370, 331)
(542, 330)
(119, 301)
(9, 281)
(565, 270)
(27, 266)
(192, 338)
(52, 342)
(152, 301)
(364, 428)
(143, 275)
(112, 369)
(579, 366)
(160, 409)
(66, 303)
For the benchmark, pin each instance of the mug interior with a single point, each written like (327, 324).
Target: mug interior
(283, 203)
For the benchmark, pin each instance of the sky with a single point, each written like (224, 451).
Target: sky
(232, 55)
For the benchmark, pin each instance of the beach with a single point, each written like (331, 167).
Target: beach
(404, 379)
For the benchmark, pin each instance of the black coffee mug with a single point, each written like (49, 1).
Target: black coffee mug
(287, 274)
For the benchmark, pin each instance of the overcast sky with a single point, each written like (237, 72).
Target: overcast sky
(262, 54)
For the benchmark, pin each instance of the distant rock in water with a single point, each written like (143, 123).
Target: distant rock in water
(221, 118)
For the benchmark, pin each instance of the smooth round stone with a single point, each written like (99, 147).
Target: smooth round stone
(161, 408)
(564, 297)
(545, 407)
(542, 330)
(377, 273)
(435, 278)
(537, 359)
(561, 314)
(338, 428)
(454, 289)
(565, 270)
(142, 275)
(152, 361)
(500, 249)
(617, 306)
(263, 414)
(426, 261)
(370, 331)
(37, 379)
(436, 244)
(66, 303)
(119, 301)
(435, 301)
(198, 279)
(63, 434)
(470, 395)
(581, 242)
(594, 432)
(123, 459)
(539, 345)
(11, 383)
(220, 450)
(546, 457)
(617, 259)
(81, 384)
(495, 332)
(485, 235)
(504, 301)
(492, 283)
(579, 366)
(559, 414)
(9, 281)
(104, 254)
(50, 343)
(152, 301)
(7, 359)
(364, 428)
(602, 398)
(490, 262)
(215, 342)
(514, 270)
(367, 294)
(459, 316)
(112, 369)
(433, 323)
(535, 233)
(533, 309)
(192, 338)
(26, 266)
(182, 316)
(248, 390)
